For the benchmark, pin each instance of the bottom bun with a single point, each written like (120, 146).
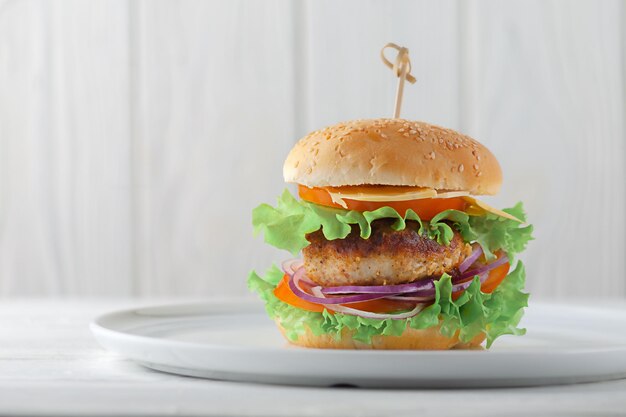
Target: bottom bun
(410, 339)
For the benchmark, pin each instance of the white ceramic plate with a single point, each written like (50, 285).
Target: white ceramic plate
(239, 342)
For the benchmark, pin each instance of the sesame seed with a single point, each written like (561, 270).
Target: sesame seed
(400, 130)
(412, 132)
(475, 167)
(478, 174)
(383, 135)
(461, 168)
(406, 135)
(432, 155)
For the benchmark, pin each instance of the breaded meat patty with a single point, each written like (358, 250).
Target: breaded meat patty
(387, 257)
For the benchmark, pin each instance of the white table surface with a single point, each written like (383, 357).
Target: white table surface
(50, 365)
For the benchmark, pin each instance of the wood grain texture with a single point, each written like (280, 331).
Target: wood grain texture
(64, 148)
(214, 121)
(136, 136)
(345, 77)
(544, 89)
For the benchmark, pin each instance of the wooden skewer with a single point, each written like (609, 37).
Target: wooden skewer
(402, 69)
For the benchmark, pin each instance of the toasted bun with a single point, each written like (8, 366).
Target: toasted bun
(411, 339)
(393, 152)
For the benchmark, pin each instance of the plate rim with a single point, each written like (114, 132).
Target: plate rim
(97, 327)
(424, 368)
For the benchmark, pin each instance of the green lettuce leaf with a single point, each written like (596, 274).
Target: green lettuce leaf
(506, 306)
(494, 232)
(286, 225)
(494, 314)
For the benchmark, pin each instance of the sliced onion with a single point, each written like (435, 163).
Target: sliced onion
(481, 270)
(291, 265)
(421, 292)
(368, 314)
(294, 285)
(419, 286)
(477, 250)
(409, 297)
(462, 286)
(459, 286)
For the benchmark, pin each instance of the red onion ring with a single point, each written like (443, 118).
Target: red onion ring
(294, 285)
(461, 286)
(456, 287)
(291, 265)
(413, 287)
(477, 250)
(409, 297)
(369, 314)
(481, 270)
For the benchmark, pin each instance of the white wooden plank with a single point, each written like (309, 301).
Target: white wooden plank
(544, 89)
(64, 148)
(214, 123)
(345, 77)
(524, 75)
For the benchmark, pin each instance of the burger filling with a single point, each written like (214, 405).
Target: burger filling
(376, 269)
(387, 257)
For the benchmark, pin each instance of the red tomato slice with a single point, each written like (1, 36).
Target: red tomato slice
(495, 278)
(284, 294)
(426, 208)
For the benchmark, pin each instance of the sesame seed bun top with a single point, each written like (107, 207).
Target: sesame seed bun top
(393, 152)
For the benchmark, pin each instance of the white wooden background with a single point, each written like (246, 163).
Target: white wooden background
(137, 136)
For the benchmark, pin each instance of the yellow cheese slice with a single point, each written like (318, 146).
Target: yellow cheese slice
(479, 208)
(451, 194)
(391, 194)
(364, 193)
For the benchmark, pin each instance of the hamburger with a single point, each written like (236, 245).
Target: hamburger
(394, 250)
